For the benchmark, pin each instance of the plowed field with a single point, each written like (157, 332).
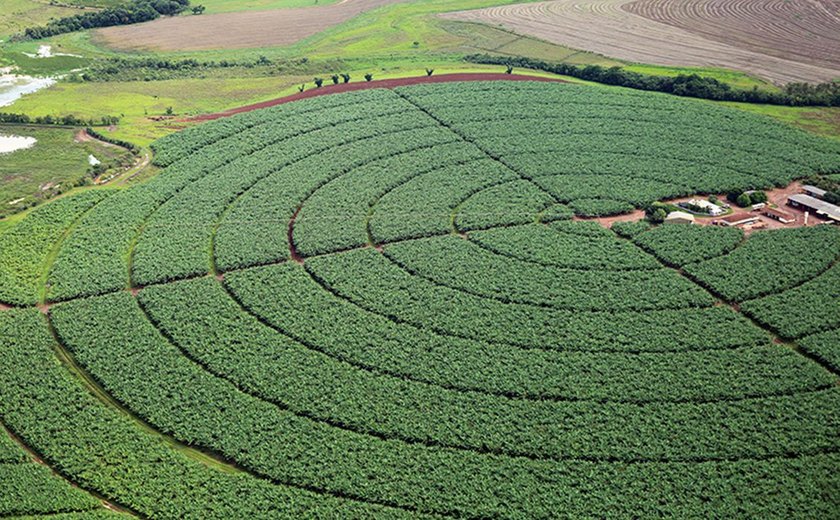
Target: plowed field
(775, 39)
(240, 30)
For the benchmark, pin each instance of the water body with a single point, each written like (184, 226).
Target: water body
(13, 86)
(13, 143)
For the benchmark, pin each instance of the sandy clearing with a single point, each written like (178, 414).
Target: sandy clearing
(239, 30)
(609, 28)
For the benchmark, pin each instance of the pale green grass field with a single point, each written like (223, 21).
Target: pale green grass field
(54, 159)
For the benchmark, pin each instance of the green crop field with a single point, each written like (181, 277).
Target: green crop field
(391, 303)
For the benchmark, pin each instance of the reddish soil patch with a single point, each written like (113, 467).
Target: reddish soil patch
(4, 307)
(381, 83)
(239, 30)
(609, 221)
(293, 253)
(82, 136)
(777, 196)
(772, 39)
(44, 307)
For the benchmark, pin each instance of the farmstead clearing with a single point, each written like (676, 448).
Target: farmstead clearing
(449, 341)
(779, 40)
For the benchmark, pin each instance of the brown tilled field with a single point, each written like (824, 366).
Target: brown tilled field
(241, 30)
(780, 40)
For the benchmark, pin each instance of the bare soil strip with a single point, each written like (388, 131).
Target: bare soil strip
(239, 30)
(384, 83)
(609, 27)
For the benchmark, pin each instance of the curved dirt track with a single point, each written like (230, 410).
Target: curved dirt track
(238, 30)
(609, 27)
(381, 83)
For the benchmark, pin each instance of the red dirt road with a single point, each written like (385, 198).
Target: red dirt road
(383, 83)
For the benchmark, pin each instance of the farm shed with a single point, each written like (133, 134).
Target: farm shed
(713, 209)
(741, 219)
(776, 214)
(819, 207)
(813, 191)
(679, 217)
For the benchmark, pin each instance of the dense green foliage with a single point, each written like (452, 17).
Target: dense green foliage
(824, 346)
(688, 85)
(379, 304)
(811, 307)
(770, 262)
(681, 245)
(24, 248)
(105, 451)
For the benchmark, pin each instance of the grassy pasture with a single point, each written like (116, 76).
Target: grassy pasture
(56, 159)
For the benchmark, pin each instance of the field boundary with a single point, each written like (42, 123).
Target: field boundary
(379, 83)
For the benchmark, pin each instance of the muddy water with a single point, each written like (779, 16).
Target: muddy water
(13, 86)
(12, 143)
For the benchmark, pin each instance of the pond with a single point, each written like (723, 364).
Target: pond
(13, 143)
(13, 86)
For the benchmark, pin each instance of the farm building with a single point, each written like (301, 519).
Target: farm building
(819, 207)
(713, 209)
(740, 219)
(776, 214)
(813, 191)
(679, 217)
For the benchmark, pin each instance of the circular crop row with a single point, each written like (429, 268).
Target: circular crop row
(379, 304)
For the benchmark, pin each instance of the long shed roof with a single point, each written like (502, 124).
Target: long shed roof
(821, 207)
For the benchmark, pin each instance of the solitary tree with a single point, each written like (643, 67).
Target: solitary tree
(658, 216)
(334, 78)
(345, 78)
(429, 72)
(302, 88)
(368, 76)
(509, 69)
(198, 9)
(169, 111)
(743, 200)
(319, 82)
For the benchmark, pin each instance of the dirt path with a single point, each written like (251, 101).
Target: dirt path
(239, 30)
(609, 27)
(383, 83)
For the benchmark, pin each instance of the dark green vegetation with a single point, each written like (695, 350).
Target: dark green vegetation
(28, 488)
(688, 85)
(378, 305)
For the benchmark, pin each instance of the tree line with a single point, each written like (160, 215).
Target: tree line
(688, 85)
(135, 11)
(68, 120)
